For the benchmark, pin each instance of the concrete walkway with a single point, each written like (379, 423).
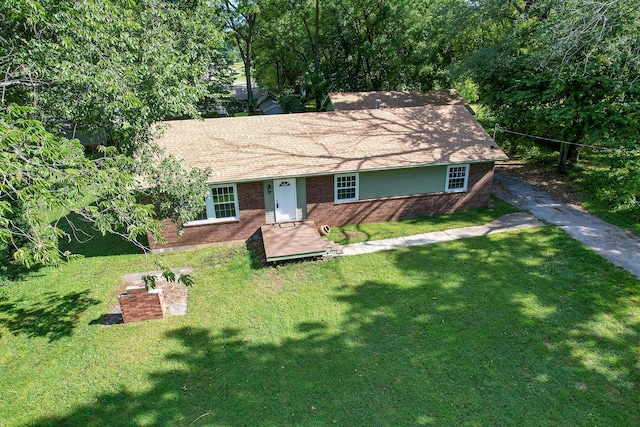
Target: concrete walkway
(616, 245)
(515, 221)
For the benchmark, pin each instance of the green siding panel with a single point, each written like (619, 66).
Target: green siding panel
(402, 182)
(301, 198)
(269, 202)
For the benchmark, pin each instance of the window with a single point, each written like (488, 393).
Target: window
(221, 204)
(346, 187)
(457, 178)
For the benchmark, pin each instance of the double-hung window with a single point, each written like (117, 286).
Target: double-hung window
(221, 205)
(346, 187)
(457, 178)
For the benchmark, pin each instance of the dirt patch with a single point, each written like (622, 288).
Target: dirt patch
(268, 283)
(545, 179)
(175, 294)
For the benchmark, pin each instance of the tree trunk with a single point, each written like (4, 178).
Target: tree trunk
(568, 154)
(316, 54)
(251, 103)
(251, 20)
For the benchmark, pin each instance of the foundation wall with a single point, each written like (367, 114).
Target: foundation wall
(322, 209)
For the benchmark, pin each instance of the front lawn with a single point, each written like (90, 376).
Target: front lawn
(522, 328)
(426, 224)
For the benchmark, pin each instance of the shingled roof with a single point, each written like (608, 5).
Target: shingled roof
(393, 99)
(292, 145)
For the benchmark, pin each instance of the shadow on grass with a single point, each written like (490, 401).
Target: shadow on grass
(53, 316)
(255, 248)
(12, 272)
(86, 241)
(82, 240)
(108, 319)
(486, 331)
(375, 231)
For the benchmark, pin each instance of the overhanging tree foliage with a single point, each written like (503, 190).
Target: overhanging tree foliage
(44, 176)
(567, 70)
(116, 67)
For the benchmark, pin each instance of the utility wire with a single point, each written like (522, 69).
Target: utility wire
(498, 128)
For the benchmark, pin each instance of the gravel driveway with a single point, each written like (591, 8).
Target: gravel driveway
(616, 245)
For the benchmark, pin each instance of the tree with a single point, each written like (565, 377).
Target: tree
(45, 176)
(566, 70)
(287, 49)
(311, 47)
(111, 66)
(241, 17)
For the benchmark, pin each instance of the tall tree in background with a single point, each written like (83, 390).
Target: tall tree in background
(288, 51)
(347, 45)
(241, 17)
(568, 70)
(564, 69)
(113, 67)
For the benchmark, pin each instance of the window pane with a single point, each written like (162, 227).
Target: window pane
(201, 215)
(456, 183)
(457, 177)
(225, 210)
(346, 187)
(224, 202)
(346, 193)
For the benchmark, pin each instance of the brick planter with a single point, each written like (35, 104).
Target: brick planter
(138, 304)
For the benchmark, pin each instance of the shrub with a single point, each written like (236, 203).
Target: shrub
(291, 104)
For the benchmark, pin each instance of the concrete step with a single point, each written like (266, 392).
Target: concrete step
(332, 247)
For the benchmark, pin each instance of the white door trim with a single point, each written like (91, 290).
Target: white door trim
(284, 194)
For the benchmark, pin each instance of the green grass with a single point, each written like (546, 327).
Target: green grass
(610, 183)
(386, 230)
(238, 69)
(612, 216)
(84, 240)
(522, 328)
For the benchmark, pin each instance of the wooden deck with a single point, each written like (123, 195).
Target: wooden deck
(292, 240)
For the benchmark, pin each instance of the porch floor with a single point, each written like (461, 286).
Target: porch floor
(292, 240)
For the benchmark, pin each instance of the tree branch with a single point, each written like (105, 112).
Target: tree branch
(21, 82)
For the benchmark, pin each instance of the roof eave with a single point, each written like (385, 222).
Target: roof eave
(324, 173)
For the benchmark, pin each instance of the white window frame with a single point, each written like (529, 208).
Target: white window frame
(211, 209)
(336, 178)
(449, 178)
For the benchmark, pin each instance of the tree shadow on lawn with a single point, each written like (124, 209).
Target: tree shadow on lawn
(483, 331)
(86, 241)
(53, 316)
(82, 240)
(12, 272)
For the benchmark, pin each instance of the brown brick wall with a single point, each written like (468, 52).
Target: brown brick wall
(252, 216)
(137, 304)
(322, 210)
